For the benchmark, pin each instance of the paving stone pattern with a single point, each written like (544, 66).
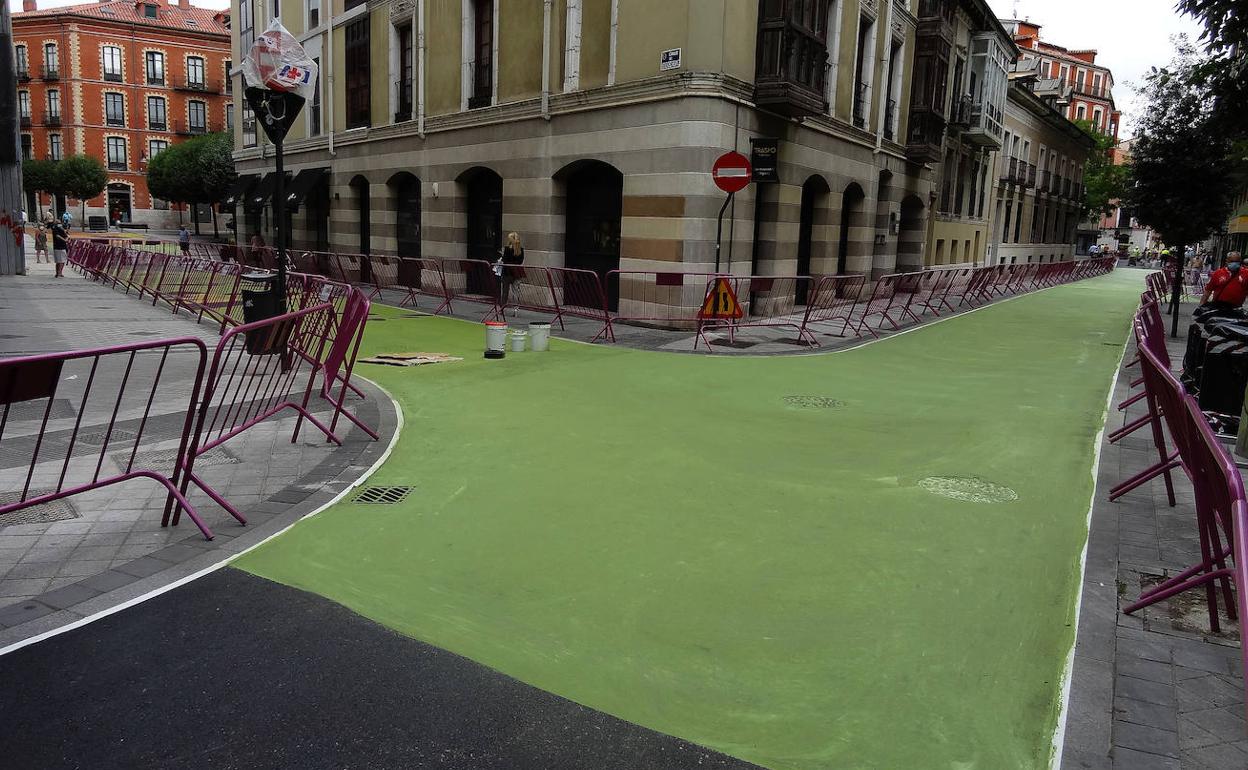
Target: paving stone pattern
(113, 548)
(1154, 690)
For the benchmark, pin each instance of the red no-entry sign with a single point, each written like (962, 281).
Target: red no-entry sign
(731, 172)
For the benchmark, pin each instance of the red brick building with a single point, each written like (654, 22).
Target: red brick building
(120, 80)
(1085, 87)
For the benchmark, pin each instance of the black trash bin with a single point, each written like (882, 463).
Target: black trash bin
(260, 303)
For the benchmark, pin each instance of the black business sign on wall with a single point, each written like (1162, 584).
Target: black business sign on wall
(764, 154)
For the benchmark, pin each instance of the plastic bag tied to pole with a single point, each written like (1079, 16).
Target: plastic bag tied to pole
(277, 62)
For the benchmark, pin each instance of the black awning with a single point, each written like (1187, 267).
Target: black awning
(262, 194)
(304, 182)
(238, 190)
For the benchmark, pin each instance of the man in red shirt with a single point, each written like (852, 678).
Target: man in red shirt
(1228, 286)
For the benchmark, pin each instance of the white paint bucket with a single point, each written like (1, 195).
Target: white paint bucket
(495, 339)
(539, 337)
(518, 336)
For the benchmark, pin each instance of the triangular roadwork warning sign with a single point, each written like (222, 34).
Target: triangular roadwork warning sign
(721, 301)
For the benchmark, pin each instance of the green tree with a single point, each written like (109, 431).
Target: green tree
(1225, 69)
(81, 177)
(1181, 184)
(39, 176)
(1104, 183)
(197, 171)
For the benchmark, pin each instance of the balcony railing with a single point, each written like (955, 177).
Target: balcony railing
(26, 121)
(791, 70)
(1057, 185)
(404, 89)
(116, 165)
(1031, 175)
(51, 118)
(157, 125)
(201, 86)
(191, 129)
(961, 116)
(115, 121)
(482, 87)
(112, 77)
(860, 105)
(23, 73)
(153, 80)
(1008, 170)
(51, 72)
(1044, 180)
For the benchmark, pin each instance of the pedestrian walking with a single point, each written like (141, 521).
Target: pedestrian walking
(41, 244)
(256, 250)
(513, 254)
(60, 247)
(65, 218)
(184, 240)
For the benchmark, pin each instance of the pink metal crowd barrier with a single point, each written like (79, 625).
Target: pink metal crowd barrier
(113, 390)
(832, 299)
(214, 289)
(672, 300)
(1221, 507)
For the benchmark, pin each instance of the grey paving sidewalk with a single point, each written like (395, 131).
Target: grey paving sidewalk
(1155, 689)
(62, 561)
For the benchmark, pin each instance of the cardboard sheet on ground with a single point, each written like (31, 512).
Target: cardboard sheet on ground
(737, 566)
(409, 359)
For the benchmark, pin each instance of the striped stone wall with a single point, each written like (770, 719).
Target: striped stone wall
(664, 150)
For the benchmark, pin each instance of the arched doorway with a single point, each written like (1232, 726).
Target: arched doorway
(595, 199)
(910, 236)
(851, 218)
(360, 189)
(814, 191)
(484, 235)
(406, 214)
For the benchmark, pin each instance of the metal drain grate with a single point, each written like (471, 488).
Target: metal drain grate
(163, 458)
(57, 510)
(968, 488)
(382, 495)
(97, 438)
(813, 402)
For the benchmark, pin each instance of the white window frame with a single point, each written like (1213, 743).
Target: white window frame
(121, 63)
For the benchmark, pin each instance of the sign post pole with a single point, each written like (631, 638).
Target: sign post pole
(731, 173)
(719, 229)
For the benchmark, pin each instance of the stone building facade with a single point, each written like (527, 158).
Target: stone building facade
(589, 127)
(1038, 180)
(962, 75)
(120, 80)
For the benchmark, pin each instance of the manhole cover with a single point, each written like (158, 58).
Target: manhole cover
(97, 438)
(163, 458)
(57, 510)
(968, 488)
(382, 495)
(813, 402)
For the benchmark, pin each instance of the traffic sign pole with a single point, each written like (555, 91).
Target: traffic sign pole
(731, 173)
(719, 228)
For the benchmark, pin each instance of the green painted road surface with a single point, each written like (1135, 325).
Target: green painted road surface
(673, 540)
